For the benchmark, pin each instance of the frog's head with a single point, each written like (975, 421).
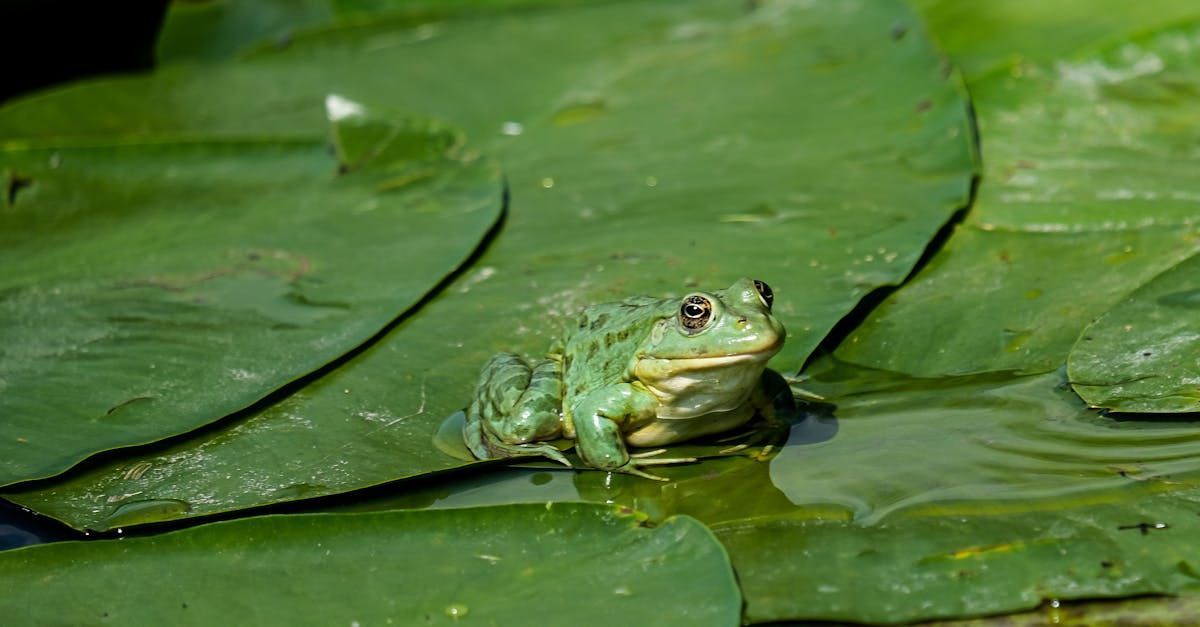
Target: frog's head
(715, 344)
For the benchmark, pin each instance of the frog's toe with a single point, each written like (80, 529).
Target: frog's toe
(807, 395)
(741, 435)
(554, 454)
(499, 449)
(771, 432)
(630, 469)
(663, 461)
(795, 384)
(635, 464)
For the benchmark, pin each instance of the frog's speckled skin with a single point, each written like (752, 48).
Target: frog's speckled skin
(644, 372)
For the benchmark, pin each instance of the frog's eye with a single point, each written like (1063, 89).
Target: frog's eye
(764, 293)
(695, 312)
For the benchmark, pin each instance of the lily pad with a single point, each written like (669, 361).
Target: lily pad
(919, 567)
(152, 287)
(1144, 354)
(578, 564)
(671, 146)
(1085, 196)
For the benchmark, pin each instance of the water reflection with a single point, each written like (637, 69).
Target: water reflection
(992, 440)
(19, 528)
(12, 537)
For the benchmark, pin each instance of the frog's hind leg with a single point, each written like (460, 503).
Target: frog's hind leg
(515, 408)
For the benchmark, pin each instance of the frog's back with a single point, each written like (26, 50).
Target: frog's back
(601, 345)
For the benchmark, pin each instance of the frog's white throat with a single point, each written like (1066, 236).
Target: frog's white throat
(693, 387)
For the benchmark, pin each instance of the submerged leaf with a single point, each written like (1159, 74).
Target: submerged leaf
(151, 287)
(577, 564)
(1144, 354)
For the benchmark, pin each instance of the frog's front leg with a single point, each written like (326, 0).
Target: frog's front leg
(600, 420)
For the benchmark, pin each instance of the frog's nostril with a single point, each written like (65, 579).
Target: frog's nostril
(742, 320)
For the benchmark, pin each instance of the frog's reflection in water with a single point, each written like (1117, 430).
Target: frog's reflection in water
(716, 489)
(729, 482)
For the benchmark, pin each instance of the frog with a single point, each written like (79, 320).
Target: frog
(641, 373)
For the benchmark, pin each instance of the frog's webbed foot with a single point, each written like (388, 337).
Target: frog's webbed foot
(647, 458)
(502, 449)
(485, 445)
(775, 404)
(515, 410)
(772, 433)
(768, 434)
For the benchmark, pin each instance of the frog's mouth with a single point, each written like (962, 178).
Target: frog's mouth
(660, 368)
(696, 386)
(716, 361)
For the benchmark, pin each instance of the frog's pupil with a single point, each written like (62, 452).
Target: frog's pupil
(765, 292)
(695, 312)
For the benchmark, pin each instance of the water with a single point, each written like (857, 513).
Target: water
(21, 528)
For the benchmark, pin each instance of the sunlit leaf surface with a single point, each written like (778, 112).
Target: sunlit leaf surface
(1088, 192)
(152, 285)
(984, 37)
(670, 146)
(567, 564)
(1144, 354)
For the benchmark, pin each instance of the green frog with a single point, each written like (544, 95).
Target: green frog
(643, 372)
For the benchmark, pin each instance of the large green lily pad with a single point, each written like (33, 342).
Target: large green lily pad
(1144, 354)
(670, 146)
(919, 567)
(575, 564)
(1086, 195)
(155, 285)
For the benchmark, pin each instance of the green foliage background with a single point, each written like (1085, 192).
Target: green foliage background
(186, 264)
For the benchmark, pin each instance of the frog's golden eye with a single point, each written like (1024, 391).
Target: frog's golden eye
(695, 312)
(764, 293)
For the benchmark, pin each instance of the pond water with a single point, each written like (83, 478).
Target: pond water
(21, 528)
